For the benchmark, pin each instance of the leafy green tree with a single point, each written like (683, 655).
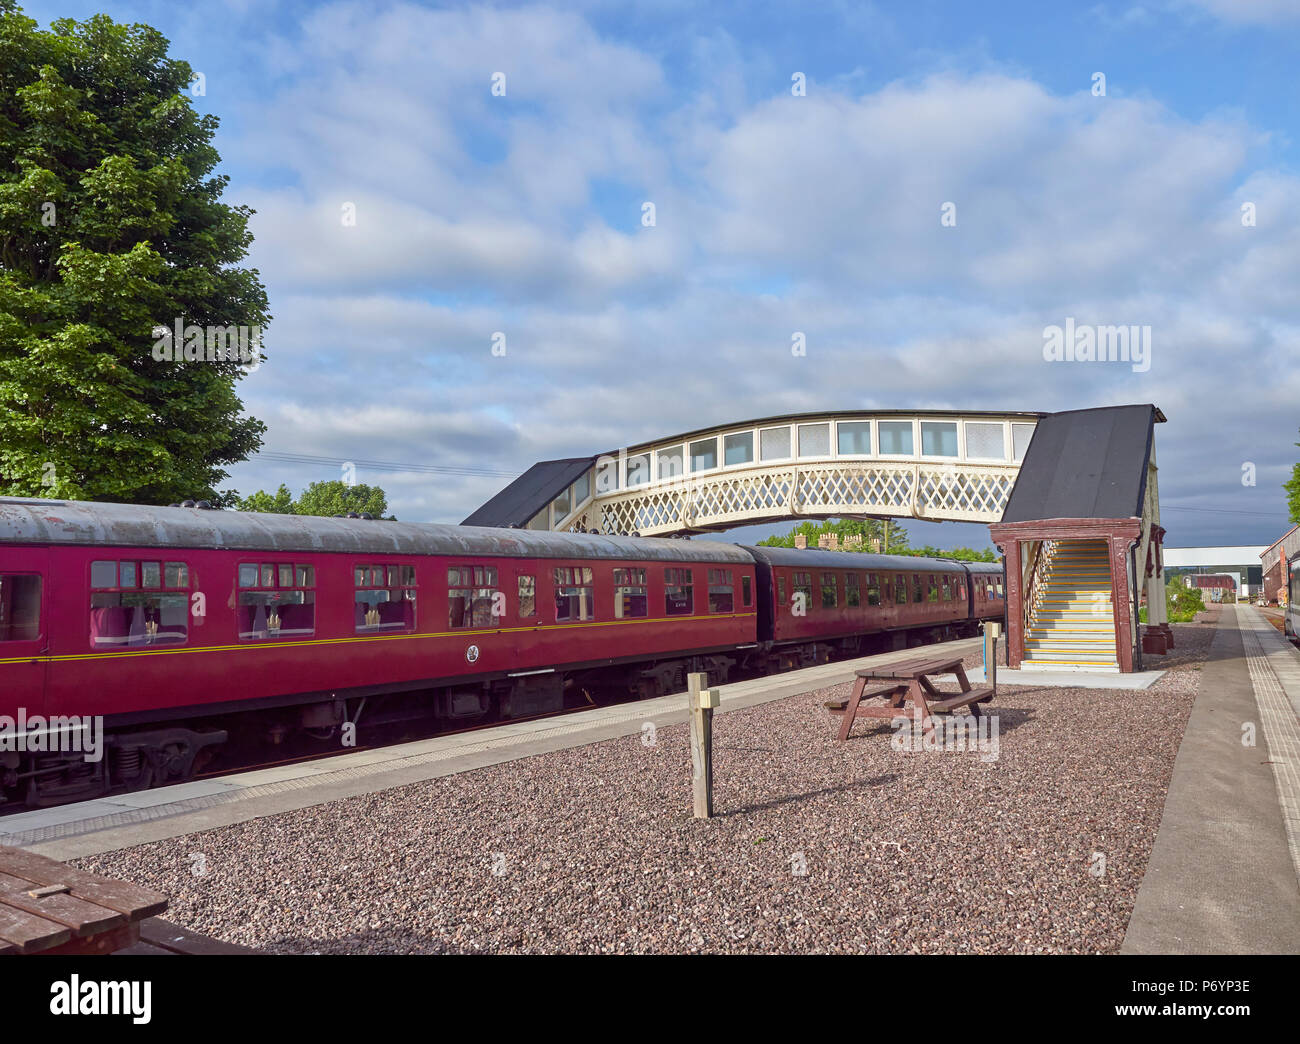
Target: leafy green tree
(281, 503)
(320, 498)
(111, 224)
(868, 528)
(1292, 487)
(338, 498)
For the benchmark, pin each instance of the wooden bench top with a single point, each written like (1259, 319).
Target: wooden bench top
(45, 903)
(909, 669)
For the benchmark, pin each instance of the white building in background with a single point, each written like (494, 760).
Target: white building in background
(1241, 562)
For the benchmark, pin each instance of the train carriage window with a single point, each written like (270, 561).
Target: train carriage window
(722, 591)
(679, 592)
(998, 587)
(947, 587)
(746, 592)
(631, 597)
(122, 615)
(801, 595)
(527, 596)
(780, 590)
(20, 607)
(460, 595)
(933, 588)
(852, 595)
(280, 602)
(918, 594)
(830, 591)
(384, 599)
(574, 594)
(900, 589)
(873, 589)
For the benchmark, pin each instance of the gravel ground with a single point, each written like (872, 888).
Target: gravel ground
(817, 846)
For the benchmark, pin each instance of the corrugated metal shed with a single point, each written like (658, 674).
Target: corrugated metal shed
(1085, 464)
(74, 522)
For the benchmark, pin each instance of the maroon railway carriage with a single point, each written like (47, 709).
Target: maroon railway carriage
(168, 621)
(813, 605)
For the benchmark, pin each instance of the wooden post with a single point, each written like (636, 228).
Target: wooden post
(702, 702)
(991, 629)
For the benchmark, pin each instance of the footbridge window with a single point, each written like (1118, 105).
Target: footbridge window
(704, 455)
(896, 438)
(738, 448)
(854, 438)
(939, 438)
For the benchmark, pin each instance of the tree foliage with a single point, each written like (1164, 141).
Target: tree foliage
(871, 529)
(111, 224)
(868, 528)
(1292, 487)
(320, 498)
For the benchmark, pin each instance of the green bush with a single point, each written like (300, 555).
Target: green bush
(1181, 603)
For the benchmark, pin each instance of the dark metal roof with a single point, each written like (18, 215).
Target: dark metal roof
(1085, 464)
(25, 521)
(820, 558)
(530, 492)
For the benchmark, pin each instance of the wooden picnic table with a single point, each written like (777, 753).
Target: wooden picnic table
(49, 907)
(907, 691)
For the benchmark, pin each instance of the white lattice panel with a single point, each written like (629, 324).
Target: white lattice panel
(972, 493)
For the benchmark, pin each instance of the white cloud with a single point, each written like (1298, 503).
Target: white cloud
(818, 214)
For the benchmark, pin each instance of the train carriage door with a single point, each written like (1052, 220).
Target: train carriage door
(24, 630)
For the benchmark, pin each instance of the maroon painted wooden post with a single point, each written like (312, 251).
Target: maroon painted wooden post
(1118, 545)
(1015, 605)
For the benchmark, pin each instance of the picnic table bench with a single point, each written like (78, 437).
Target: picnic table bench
(48, 907)
(908, 691)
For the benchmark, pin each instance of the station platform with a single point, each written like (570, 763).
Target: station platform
(1201, 830)
(123, 821)
(1224, 871)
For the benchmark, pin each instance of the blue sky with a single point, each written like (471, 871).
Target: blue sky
(775, 213)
